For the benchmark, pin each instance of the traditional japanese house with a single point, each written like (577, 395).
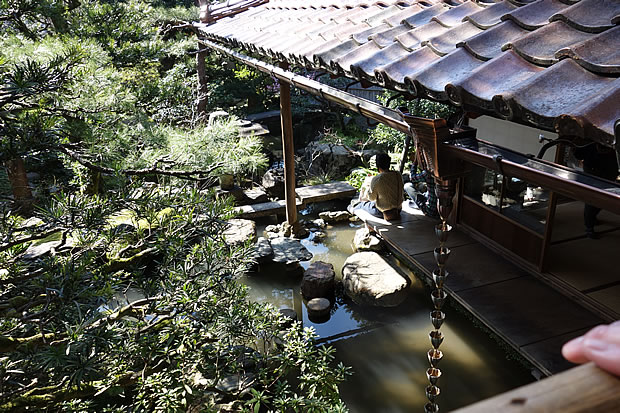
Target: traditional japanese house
(537, 79)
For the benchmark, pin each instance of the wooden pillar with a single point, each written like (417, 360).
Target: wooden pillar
(202, 82)
(288, 150)
(551, 207)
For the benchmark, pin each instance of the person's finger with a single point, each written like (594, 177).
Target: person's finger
(573, 351)
(603, 347)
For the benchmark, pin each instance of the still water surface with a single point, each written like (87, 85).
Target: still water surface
(386, 347)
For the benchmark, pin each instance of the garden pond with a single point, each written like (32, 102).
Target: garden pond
(386, 348)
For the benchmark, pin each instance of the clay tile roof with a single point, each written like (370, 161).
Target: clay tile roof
(554, 64)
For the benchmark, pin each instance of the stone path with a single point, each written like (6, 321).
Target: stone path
(305, 195)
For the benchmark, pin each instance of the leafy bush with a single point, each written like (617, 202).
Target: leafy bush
(357, 176)
(71, 341)
(394, 139)
(107, 86)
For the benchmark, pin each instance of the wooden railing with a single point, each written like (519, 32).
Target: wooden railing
(579, 390)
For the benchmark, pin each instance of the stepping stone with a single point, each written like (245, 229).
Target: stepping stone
(318, 307)
(365, 241)
(262, 251)
(289, 251)
(368, 279)
(290, 316)
(318, 280)
(334, 216)
(240, 231)
(265, 209)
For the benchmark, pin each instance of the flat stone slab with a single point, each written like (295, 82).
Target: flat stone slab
(368, 279)
(288, 251)
(325, 192)
(265, 209)
(240, 231)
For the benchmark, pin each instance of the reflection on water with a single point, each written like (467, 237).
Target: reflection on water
(386, 347)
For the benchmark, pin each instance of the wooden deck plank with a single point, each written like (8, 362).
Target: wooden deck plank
(525, 310)
(472, 266)
(568, 221)
(547, 351)
(581, 389)
(325, 192)
(609, 297)
(416, 237)
(571, 260)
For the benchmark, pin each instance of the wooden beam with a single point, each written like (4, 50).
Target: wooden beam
(288, 150)
(579, 390)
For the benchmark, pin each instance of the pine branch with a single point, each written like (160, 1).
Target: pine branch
(204, 175)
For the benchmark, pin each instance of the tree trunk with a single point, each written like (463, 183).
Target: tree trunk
(19, 185)
(202, 84)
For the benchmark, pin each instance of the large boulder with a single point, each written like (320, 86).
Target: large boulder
(337, 160)
(318, 280)
(273, 182)
(368, 279)
(243, 196)
(240, 231)
(365, 241)
(289, 251)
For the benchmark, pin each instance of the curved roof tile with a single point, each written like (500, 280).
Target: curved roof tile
(495, 77)
(456, 15)
(446, 42)
(550, 63)
(490, 16)
(553, 92)
(599, 54)
(396, 19)
(540, 46)
(536, 14)
(490, 43)
(431, 81)
(424, 16)
(592, 16)
(393, 74)
(595, 118)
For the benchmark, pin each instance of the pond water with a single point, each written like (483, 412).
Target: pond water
(386, 347)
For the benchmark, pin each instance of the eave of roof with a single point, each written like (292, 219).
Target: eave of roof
(553, 64)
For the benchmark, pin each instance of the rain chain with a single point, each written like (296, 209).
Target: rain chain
(438, 295)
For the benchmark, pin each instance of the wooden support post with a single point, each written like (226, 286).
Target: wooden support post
(403, 159)
(202, 83)
(288, 150)
(560, 154)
